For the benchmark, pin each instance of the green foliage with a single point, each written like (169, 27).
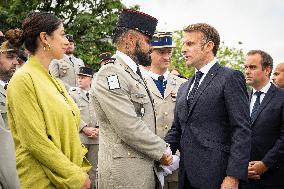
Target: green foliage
(227, 56)
(231, 57)
(90, 21)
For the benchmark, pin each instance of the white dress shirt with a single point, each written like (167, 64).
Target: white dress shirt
(205, 69)
(155, 76)
(253, 98)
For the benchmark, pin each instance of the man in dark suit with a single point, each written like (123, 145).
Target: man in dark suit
(266, 166)
(211, 121)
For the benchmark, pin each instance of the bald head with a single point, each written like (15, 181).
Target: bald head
(278, 75)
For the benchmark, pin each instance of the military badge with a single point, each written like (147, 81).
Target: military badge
(113, 82)
(173, 94)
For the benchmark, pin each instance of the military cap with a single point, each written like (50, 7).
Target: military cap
(106, 57)
(138, 21)
(7, 47)
(162, 40)
(86, 71)
(69, 37)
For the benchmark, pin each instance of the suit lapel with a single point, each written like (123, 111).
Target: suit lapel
(83, 95)
(182, 102)
(129, 70)
(2, 91)
(171, 84)
(206, 81)
(268, 96)
(153, 87)
(250, 95)
(66, 58)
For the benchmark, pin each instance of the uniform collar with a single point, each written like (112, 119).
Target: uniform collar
(127, 60)
(69, 56)
(2, 83)
(155, 76)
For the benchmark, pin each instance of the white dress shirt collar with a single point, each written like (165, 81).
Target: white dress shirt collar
(2, 83)
(127, 60)
(155, 76)
(205, 69)
(264, 89)
(253, 97)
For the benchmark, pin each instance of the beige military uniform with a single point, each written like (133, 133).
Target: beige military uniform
(66, 70)
(88, 119)
(8, 174)
(164, 107)
(128, 144)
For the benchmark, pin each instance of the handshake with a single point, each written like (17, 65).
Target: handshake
(169, 160)
(169, 163)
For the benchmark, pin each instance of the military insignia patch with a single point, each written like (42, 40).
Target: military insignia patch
(173, 94)
(113, 82)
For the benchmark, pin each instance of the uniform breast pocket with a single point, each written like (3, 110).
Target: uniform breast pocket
(140, 100)
(81, 106)
(63, 69)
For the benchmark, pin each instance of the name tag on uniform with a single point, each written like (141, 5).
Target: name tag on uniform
(113, 82)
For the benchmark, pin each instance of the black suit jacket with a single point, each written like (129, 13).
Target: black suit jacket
(268, 137)
(213, 135)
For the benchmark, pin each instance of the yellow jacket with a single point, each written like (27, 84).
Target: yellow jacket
(44, 122)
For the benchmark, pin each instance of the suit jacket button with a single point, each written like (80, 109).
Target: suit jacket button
(166, 126)
(128, 154)
(166, 113)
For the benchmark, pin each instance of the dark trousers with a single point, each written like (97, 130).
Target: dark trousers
(257, 186)
(184, 182)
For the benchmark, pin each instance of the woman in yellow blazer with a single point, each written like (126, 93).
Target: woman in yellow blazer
(43, 118)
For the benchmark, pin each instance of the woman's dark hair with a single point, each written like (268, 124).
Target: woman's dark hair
(34, 24)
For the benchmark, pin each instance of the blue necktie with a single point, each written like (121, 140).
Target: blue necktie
(193, 91)
(256, 105)
(161, 80)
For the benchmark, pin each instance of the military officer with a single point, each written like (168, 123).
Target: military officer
(163, 86)
(8, 61)
(67, 68)
(129, 146)
(89, 132)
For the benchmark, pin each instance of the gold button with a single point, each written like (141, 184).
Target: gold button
(166, 113)
(128, 153)
(166, 126)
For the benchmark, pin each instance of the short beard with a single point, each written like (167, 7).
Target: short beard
(6, 76)
(141, 58)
